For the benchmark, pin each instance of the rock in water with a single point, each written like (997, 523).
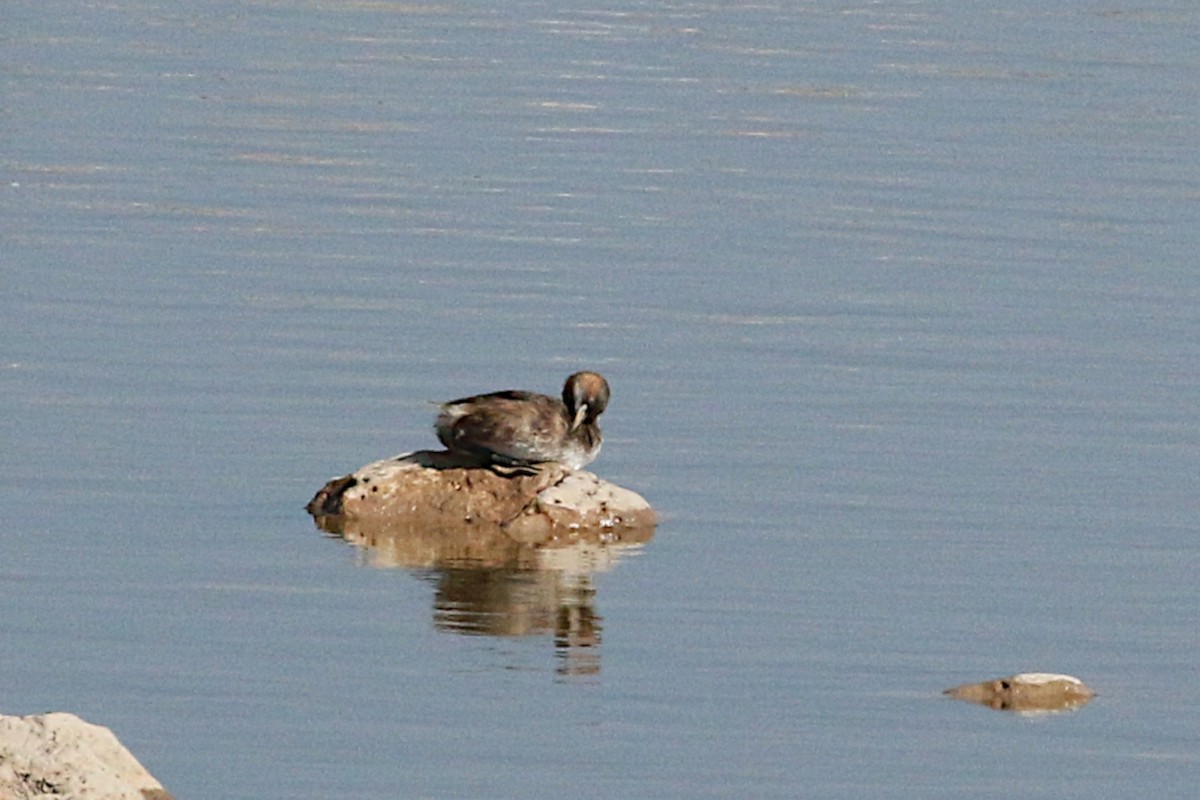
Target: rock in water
(432, 491)
(1028, 692)
(63, 757)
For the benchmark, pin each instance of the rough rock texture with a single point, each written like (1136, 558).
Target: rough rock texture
(1027, 692)
(398, 543)
(438, 496)
(61, 757)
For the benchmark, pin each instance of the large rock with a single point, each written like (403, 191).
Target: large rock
(61, 757)
(437, 494)
(1027, 692)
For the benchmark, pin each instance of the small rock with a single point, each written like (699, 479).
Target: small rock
(1027, 692)
(437, 490)
(61, 757)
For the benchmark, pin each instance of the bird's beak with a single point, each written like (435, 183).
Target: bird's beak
(580, 416)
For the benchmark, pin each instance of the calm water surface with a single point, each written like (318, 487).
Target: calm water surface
(899, 302)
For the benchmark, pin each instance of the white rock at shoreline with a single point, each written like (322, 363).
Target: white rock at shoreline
(62, 757)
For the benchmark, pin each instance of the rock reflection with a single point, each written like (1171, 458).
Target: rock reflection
(487, 583)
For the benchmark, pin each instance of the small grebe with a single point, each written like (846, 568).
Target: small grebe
(517, 428)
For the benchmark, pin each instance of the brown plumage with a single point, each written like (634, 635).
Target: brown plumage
(520, 428)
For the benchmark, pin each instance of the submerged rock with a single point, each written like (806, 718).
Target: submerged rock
(1027, 692)
(61, 756)
(435, 493)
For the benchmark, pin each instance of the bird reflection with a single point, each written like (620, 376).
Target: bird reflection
(577, 634)
(511, 603)
(487, 583)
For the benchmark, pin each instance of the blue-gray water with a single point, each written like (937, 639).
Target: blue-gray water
(898, 300)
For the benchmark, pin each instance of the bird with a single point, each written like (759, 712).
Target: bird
(523, 429)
